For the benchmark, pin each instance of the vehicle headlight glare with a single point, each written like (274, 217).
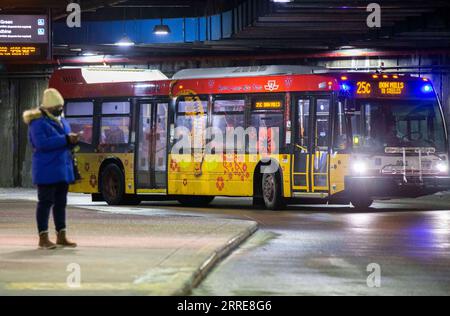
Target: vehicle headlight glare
(442, 167)
(360, 167)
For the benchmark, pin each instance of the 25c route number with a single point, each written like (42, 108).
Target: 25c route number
(364, 87)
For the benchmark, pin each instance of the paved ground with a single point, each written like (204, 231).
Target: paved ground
(325, 250)
(118, 254)
(319, 251)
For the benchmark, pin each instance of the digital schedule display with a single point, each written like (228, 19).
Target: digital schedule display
(24, 29)
(20, 51)
(24, 36)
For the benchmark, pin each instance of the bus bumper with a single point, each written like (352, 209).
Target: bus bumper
(388, 187)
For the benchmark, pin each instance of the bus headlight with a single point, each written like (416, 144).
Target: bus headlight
(442, 167)
(359, 167)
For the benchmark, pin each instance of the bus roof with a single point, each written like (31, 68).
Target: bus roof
(80, 83)
(254, 71)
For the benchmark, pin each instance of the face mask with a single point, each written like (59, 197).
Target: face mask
(57, 112)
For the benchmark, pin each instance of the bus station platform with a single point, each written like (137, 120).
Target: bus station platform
(117, 254)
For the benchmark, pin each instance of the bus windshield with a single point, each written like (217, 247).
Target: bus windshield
(377, 124)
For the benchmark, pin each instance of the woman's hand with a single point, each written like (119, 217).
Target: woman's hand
(73, 138)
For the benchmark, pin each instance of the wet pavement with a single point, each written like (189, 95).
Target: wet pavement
(328, 250)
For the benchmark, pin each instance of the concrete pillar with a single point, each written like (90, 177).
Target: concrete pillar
(8, 101)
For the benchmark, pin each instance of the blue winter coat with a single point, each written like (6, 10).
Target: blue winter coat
(52, 160)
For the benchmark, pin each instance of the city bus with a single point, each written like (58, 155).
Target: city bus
(290, 135)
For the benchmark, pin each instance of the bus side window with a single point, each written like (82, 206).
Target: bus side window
(191, 122)
(228, 116)
(266, 129)
(115, 123)
(79, 115)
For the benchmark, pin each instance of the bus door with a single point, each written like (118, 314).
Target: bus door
(301, 181)
(151, 160)
(322, 129)
(311, 148)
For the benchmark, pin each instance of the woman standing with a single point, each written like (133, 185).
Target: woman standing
(52, 165)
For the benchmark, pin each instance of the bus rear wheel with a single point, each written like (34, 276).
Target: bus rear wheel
(196, 201)
(271, 191)
(362, 204)
(113, 185)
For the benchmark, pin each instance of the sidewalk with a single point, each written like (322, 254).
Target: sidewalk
(117, 254)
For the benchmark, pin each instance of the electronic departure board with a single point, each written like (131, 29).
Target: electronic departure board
(20, 50)
(24, 37)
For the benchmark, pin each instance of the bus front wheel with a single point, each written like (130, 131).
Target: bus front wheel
(112, 185)
(271, 190)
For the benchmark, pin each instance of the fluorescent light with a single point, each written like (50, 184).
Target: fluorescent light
(125, 41)
(282, 1)
(161, 30)
(88, 54)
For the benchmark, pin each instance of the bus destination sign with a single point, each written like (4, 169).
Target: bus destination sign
(381, 88)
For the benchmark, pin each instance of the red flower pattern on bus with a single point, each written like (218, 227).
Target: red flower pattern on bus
(93, 181)
(220, 184)
(174, 166)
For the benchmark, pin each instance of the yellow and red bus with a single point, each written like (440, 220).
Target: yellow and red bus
(290, 134)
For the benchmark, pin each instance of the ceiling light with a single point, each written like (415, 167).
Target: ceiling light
(125, 41)
(161, 29)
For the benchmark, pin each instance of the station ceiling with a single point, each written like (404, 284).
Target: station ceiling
(261, 26)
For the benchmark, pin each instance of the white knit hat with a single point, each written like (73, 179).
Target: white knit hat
(52, 98)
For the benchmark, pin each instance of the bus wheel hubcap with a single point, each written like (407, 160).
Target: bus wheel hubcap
(269, 188)
(112, 184)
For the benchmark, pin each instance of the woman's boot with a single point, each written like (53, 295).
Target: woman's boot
(44, 242)
(61, 240)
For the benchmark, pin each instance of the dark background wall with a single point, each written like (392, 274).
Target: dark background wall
(20, 91)
(16, 95)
